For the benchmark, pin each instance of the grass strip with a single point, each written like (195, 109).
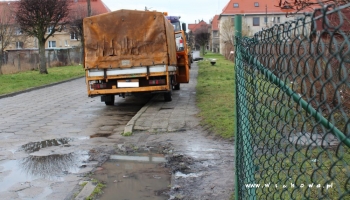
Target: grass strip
(215, 94)
(10, 83)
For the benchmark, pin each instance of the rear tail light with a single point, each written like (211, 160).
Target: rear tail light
(157, 82)
(98, 86)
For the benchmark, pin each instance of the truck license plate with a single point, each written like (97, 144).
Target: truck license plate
(128, 83)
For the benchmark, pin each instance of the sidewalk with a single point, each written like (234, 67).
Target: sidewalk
(159, 116)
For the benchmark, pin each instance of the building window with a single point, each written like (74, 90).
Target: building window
(18, 31)
(66, 43)
(256, 4)
(19, 45)
(278, 20)
(256, 21)
(52, 44)
(50, 29)
(265, 19)
(235, 5)
(73, 36)
(233, 21)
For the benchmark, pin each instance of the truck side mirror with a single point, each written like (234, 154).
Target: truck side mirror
(184, 27)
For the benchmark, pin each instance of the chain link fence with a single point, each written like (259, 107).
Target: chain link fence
(292, 108)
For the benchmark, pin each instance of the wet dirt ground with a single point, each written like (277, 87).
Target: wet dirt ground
(200, 163)
(50, 141)
(134, 176)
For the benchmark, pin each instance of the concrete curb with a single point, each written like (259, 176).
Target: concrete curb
(37, 88)
(129, 127)
(86, 191)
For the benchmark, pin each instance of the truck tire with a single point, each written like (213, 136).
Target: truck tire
(177, 86)
(168, 95)
(110, 100)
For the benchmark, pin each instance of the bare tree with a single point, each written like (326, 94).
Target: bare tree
(41, 19)
(227, 35)
(190, 39)
(6, 30)
(202, 37)
(294, 6)
(76, 16)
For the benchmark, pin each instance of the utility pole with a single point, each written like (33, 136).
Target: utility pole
(146, 9)
(266, 15)
(89, 7)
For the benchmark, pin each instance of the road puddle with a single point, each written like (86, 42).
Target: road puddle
(136, 176)
(53, 166)
(49, 159)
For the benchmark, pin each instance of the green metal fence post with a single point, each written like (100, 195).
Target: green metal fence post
(237, 33)
(243, 120)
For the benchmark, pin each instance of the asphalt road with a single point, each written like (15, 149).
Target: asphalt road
(47, 135)
(52, 137)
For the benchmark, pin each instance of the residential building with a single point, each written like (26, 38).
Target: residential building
(215, 35)
(61, 39)
(192, 28)
(256, 15)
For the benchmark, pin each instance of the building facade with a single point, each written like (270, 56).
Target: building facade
(63, 39)
(256, 15)
(215, 35)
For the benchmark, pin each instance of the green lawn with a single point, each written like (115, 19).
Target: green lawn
(215, 94)
(24, 80)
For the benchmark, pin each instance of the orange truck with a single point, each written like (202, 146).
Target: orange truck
(129, 51)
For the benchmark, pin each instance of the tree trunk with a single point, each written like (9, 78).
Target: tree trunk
(1, 59)
(42, 66)
(82, 51)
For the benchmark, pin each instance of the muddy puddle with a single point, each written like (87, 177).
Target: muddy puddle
(135, 176)
(49, 159)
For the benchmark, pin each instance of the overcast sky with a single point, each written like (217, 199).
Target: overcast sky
(189, 10)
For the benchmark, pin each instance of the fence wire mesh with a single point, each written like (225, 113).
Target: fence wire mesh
(293, 106)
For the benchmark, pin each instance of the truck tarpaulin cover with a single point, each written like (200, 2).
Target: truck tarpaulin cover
(128, 38)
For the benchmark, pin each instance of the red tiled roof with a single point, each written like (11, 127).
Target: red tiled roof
(263, 6)
(8, 8)
(97, 6)
(215, 23)
(194, 27)
(251, 7)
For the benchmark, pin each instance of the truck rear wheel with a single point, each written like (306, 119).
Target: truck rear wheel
(168, 96)
(177, 86)
(109, 100)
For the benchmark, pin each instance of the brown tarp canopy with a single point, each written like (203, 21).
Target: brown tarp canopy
(128, 38)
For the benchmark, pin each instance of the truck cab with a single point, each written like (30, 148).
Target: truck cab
(183, 55)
